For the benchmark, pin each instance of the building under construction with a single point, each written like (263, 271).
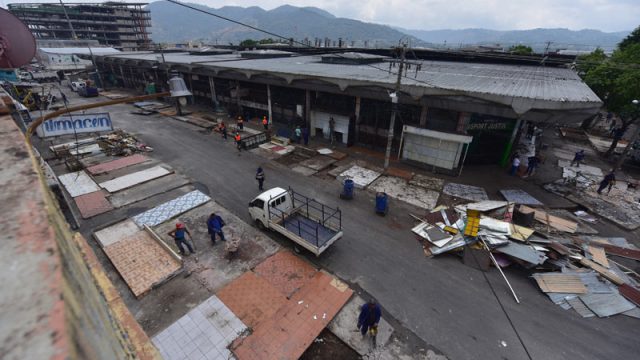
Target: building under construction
(124, 26)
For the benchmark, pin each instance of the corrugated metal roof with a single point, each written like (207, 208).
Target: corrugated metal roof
(81, 50)
(522, 87)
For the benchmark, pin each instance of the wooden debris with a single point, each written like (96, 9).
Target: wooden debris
(560, 283)
(606, 273)
(551, 220)
(598, 255)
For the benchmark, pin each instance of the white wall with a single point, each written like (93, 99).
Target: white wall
(320, 119)
(431, 151)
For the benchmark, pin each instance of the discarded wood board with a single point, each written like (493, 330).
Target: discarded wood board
(560, 283)
(598, 255)
(520, 233)
(551, 220)
(487, 205)
(607, 274)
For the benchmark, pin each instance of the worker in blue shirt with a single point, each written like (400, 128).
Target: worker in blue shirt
(214, 226)
(369, 318)
(178, 235)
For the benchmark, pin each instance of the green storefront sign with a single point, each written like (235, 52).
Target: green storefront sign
(491, 135)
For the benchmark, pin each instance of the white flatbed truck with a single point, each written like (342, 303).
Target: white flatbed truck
(305, 221)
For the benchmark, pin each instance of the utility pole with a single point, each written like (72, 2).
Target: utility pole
(394, 106)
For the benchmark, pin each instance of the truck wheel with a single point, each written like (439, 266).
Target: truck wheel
(259, 224)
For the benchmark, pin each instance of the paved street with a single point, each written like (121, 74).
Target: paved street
(447, 304)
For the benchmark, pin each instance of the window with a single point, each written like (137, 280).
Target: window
(258, 203)
(278, 201)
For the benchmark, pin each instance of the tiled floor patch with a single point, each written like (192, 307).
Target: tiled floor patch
(135, 178)
(361, 177)
(93, 204)
(168, 210)
(203, 333)
(519, 196)
(286, 272)
(116, 232)
(141, 261)
(288, 333)
(252, 298)
(117, 164)
(467, 192)
(399, 189)
(78, 183)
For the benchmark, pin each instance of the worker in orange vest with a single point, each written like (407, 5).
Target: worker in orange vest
(238, 140)
(240, 123)
(265, 123)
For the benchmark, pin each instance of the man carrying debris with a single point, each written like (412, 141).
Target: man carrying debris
(260, 178)
(214, 226)
(609, 180)
(238, 141)
(369, 318)
(577, 159)
(240, 123)
(178, 235)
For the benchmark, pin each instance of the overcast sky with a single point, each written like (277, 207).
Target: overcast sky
(605, 15)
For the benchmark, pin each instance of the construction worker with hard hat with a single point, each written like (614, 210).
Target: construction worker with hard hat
(178, 235)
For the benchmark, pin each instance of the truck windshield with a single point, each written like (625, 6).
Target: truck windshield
(257, 203)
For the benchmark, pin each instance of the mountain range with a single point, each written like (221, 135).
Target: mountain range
(173, 23)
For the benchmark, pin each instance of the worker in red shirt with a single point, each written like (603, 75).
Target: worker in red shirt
(238, 140)
(223, 130)
(240, 123)
(265, 123)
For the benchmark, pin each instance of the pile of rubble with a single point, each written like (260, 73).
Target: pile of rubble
(121, 143)
(572, 269)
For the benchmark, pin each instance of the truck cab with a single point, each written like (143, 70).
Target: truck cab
(277, 198)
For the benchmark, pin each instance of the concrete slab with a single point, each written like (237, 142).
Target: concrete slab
(303, 170)
(203, 333)
(78, 183)
(520, 196)
(170, 209)
(318, 163)
(117, 164)
(88, 149)
(133, 179)
(286, 272)
(116, 232)
(427, 182)
(344, 327)
(585, 169)
(141, 261)
(335, 172)
(361, 177)
(93, 204)
(147, 190)
(325, 151)
(467, 192)
(398, 188)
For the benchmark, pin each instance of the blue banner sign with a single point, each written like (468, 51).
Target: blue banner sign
(75, 123)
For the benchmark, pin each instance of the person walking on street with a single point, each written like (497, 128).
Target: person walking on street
(578, 158)
(265, 123)
(609, 180)
(178, 235)
(214, 227)
(515, 165)
(369, 317)
(240, 123)
(305, 135)
(223, 130)
(260, 178)
(532, 165)
(238, 141)
(298, 134)
(332, 129)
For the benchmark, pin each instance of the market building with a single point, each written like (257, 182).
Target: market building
(446, 109)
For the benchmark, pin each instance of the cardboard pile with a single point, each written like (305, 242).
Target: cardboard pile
(574, 271)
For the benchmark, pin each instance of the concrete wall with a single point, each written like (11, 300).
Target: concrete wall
(56, 301)
(440, 153)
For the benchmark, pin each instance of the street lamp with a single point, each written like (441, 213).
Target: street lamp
(634, 137)
(179, 91)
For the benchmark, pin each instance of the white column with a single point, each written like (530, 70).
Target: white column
(212, 86)
(423, 116)
(307, 109)
(269, 104)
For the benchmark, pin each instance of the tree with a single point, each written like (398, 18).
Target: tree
(617, 82)
(248, 43)
(633, 38)
(521, 50)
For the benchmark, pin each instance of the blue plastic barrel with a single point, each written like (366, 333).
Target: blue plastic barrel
(347, 190)
(381, 203)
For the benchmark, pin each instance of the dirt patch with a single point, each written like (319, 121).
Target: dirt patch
(328, 347)
(290, 159)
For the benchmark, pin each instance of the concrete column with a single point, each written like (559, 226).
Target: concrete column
(307, 108)
(463, 120)
(423, 116)
(269, 109)
(357, 113)
(212, 87)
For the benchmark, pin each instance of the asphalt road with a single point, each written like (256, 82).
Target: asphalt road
(446, 303)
